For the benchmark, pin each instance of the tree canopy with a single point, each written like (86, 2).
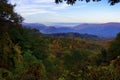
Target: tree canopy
(112, 2)
(7, 13)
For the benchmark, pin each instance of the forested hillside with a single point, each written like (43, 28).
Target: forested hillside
(87, 37)
(28, 56)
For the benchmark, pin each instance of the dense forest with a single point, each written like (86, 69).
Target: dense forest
(27, 54)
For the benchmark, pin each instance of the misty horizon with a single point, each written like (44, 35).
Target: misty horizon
(68, 24)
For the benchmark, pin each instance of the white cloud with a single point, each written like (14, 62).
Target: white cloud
(32, 7)
(32, 1)
(16, 1)
(32, 10)
(43, 1)
(28, 8)
(62, 6)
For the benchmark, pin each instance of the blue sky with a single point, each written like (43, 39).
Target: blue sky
(44, 11)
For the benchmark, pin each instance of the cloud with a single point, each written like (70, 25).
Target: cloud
(43, 1)
(31, 1)
(37, 9)
(32, 10)
(32, 7)
(62, 6)
(15, 1)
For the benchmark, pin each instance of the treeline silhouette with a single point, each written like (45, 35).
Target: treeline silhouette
(112, 2)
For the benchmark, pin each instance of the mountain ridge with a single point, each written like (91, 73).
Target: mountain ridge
(110, 29)
(87, 37)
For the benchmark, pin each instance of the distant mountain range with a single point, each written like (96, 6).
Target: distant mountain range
(105, 30)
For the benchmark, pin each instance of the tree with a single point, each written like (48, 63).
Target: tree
(112, 2)
(7, 13)
(114, 49)
(10, 53)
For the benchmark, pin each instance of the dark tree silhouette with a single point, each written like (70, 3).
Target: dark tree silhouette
(7, 13)
(112, 2)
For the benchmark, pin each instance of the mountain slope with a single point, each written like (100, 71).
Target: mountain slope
(38, 26)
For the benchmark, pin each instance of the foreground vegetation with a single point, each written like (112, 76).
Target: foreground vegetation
(26, 54)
